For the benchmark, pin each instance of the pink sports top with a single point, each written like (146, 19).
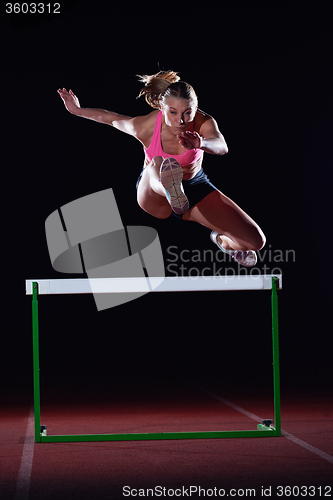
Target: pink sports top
(189, 157)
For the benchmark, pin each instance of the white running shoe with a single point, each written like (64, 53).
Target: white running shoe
(171, 176)
(247, 258)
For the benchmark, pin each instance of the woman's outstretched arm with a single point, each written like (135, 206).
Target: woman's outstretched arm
(121, 122)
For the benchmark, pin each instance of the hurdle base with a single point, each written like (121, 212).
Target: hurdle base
(43, 431)
(264, 427)
(260, 432)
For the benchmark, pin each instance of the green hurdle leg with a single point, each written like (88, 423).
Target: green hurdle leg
(35, 347)
(276, 359)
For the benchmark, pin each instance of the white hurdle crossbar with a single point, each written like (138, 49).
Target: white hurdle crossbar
(37, 287)
(154, 284)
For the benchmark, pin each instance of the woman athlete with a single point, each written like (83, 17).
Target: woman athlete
(174, 137)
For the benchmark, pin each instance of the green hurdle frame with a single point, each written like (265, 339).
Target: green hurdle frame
(266, 429)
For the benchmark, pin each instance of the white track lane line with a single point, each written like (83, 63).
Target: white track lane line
(24, 475)
(294, 439)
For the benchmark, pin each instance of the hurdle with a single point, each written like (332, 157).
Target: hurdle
(185, 284)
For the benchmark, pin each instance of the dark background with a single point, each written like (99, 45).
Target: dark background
(263, 70)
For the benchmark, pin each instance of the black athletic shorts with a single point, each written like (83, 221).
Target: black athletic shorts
(196, 189)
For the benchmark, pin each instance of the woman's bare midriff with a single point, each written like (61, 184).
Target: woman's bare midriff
(189, 171)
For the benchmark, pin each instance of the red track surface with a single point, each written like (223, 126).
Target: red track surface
(101, 470)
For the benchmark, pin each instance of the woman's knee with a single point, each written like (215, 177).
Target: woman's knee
(258, 240)
(157, 159)
(156, 162)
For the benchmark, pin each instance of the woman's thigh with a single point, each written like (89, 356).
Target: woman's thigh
(219, 213)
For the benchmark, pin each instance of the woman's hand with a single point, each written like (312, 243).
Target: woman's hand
(190, 140)
(70, 100)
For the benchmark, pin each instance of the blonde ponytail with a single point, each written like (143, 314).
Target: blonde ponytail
(156, 85)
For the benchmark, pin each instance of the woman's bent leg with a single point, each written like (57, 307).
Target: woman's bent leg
(237, 231)
(151, 194)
